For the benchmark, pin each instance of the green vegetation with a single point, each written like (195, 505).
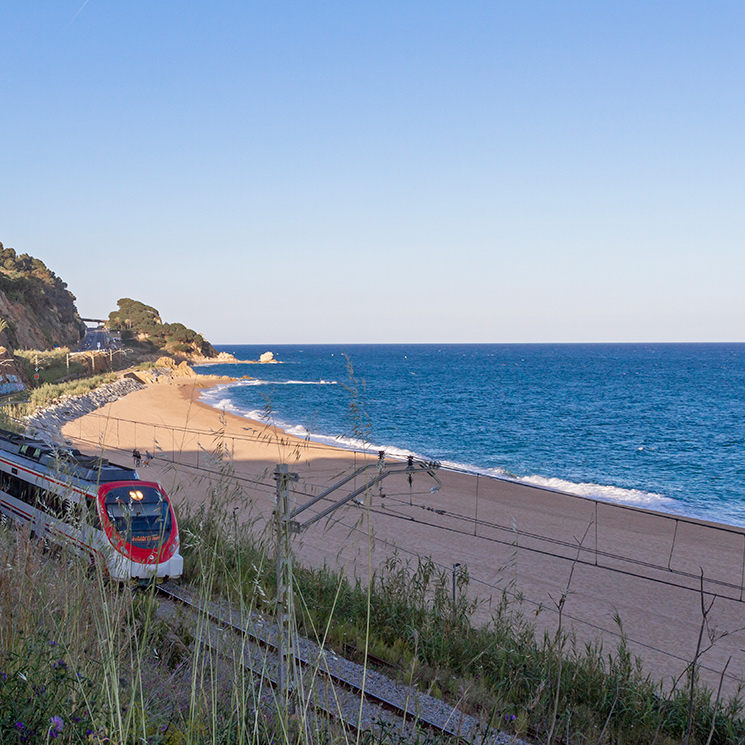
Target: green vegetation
(51, 392)
(52, 365)
(141, 326)
(83, 661)
(545, 688)
(21, 405)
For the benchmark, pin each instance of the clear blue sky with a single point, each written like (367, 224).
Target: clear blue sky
(384, 172)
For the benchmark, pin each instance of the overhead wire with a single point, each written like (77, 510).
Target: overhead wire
(268, 486)
(261, 483)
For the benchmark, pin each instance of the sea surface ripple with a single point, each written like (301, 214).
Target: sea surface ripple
(660, 426)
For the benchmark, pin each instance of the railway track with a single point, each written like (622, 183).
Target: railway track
(358, 698)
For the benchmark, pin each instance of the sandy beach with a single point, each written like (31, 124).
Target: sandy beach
(610, 561)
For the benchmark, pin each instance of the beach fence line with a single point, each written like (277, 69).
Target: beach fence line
(610, 537)
(654, 546)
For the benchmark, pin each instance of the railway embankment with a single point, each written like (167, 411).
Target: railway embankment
(47, 421)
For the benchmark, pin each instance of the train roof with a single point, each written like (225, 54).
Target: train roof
(64, 459)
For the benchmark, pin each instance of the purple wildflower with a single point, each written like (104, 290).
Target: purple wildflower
(55, 726)
(60, 664)
(20, 726)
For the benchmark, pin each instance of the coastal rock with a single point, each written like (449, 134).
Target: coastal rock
(166, 362)
(267, 357)
(220, 357)
(184, 370)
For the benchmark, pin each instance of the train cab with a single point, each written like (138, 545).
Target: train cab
(140, 525)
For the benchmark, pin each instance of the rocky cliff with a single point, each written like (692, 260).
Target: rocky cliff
(35, 304)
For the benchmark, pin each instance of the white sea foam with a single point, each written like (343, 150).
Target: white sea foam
(633, 497)
(605, 493)
(215, 397)
(225, 404)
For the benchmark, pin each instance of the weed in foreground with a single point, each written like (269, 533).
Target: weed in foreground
(82, 660)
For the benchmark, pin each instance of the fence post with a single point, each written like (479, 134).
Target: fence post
(672, 548)
(596, 533)
(476, 513)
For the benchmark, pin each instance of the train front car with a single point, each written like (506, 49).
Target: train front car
(140, 525)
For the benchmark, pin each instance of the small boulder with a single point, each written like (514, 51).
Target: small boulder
(166, 362)
(184, 370)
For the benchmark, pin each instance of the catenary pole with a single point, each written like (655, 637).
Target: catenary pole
(286, 526)
(285, 605)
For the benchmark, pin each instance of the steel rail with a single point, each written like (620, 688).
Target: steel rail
(365, 688)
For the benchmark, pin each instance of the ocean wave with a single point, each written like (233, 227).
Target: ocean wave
(216, 398)
(605, 493)
(225, 404)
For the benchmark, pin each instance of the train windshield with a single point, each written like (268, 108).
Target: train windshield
(140, 514)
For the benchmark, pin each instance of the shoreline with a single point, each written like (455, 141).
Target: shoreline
(396, 453)
(629, 497)
(512, 537)
(642, 426)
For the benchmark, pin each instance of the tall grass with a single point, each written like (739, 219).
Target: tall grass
(82, 660)
(51, 365)
(52, 391)
(502, 671)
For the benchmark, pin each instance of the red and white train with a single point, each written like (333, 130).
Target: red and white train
(98, 508)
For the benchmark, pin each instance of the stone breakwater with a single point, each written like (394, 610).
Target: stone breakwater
(46, 424)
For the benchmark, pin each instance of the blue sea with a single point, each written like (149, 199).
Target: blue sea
(659, 426)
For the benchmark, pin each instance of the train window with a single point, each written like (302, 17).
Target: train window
(140, 514)
(5, 482)
(48, 502)
(53, 504)
(58, 505)
(17, 488)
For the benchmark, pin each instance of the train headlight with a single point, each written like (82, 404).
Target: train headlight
(136, 494)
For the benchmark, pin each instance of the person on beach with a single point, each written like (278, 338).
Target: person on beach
(136, 457)
(148, 458)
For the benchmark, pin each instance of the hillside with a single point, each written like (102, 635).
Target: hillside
(35, 304)
(141, 326)
(38, 314)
